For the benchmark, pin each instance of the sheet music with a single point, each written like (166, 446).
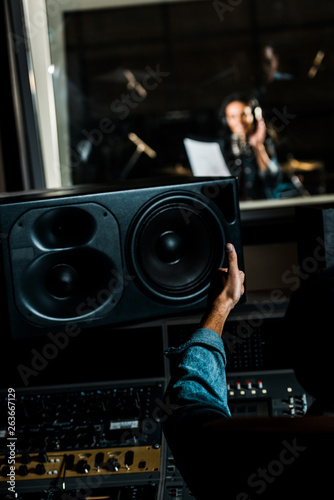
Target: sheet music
(206, 159)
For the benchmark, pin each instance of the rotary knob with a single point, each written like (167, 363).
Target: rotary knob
(42, 457)
(40, 469)
(23, 470)
(5, 471)
(82, 467)
(113, 465)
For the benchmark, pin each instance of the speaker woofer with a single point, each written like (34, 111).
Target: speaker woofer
(62, 281)
(176, 244)
(71, 284)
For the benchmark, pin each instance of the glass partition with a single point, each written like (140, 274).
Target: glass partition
(132, 79)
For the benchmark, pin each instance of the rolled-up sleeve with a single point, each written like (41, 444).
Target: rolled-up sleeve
(195, 396)
(198, 373)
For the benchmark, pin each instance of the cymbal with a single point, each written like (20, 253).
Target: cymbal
(294, 165)
(177, 170)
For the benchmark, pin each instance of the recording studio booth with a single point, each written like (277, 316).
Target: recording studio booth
(109, 238)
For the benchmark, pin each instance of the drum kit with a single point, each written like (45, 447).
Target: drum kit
(294, 166)
(297, 170)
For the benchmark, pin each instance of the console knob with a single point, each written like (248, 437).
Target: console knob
(5, 470)
(40, 469)
(82, 467)
(42, 457)
(113, 465)
(23, 470)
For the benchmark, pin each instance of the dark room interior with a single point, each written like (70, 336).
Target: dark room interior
(122, 180)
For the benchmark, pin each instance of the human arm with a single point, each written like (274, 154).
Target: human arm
(197, 391)
(226, 290)
(199, 375)
(257, 140)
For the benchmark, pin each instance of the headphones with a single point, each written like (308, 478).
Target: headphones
(245, 99)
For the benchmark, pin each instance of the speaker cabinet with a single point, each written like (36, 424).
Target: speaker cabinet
(114, 256)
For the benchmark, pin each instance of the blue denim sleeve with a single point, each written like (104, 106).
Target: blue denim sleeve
(199, 378)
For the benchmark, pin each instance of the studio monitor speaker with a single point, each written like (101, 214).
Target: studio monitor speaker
(114, 256)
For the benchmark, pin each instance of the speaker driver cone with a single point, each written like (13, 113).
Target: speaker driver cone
(176, 245)
(61, 281)
(170, 247)
(68, 284)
